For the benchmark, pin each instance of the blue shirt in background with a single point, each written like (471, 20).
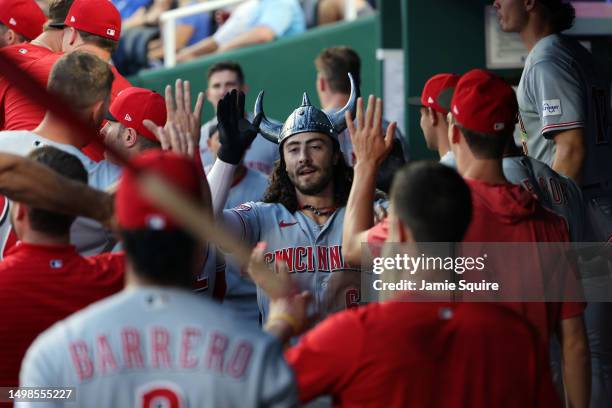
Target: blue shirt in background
(201, 25)
(128, 7)
(284, 17)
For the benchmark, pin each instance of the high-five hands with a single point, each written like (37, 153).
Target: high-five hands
(236, 133)
(370, 144)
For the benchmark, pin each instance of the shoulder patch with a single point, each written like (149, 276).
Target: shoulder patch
(551, 107)
(243, 207)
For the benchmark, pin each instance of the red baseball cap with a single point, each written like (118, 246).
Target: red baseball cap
(97, 17)
(484, 103)
(133, 210)
(134, 105)
(437, 93)
(22, 16)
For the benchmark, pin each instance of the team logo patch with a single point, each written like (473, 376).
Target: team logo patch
(156, 222)
(284, 224)
(551, 107)
(12, 21)
(456, 110)
(110, 32)
(56, 263)
(128, 117)
(498, 126)
(430, 100)
(23, 51)
(243, 207)
(72, 19)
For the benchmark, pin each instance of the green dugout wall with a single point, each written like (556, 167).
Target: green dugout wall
(284, 68)
(434, 35)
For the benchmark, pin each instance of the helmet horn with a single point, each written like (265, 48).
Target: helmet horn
(271, 130)
(337, 118)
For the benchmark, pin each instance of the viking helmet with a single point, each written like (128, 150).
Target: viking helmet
(306, 118)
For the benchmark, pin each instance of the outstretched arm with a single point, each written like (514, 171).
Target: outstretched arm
(26, 181)
(371, 148)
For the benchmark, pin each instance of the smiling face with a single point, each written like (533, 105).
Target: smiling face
(512, 15)
(309, 161)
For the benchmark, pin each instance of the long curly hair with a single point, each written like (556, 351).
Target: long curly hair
(282, 191)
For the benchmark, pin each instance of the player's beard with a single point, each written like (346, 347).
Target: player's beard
(312, 187)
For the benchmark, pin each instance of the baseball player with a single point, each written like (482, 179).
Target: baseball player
(125, 129)
(20, 21)
(397, 353)
(333, 88)
(223, 77)
(247, 185)
(554, 191)
(43, 278)
(502, 212)
(155, 343)
(93, 26)
(565, 106)
(302, 213)
(70, 76)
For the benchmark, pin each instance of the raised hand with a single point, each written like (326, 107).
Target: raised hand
(235, 132)
(179, 110)
(370, 145)
(172, 137)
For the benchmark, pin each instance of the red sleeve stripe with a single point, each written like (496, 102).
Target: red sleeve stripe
(244, 226)
(559, 125)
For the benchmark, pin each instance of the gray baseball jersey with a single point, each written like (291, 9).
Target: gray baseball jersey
(89, 236)
(261, 156)
(554, 191)
(159, 347)
(310, 251)
(560, 90)
(240, 293)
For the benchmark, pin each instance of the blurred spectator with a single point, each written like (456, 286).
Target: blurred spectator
(140, 26)
(138, 13)
(253, 22)
(189, 30)
(331, 11)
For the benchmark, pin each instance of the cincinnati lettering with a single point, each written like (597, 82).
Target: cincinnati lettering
(308, 259)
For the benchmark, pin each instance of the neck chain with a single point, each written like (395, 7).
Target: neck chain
(321, 212)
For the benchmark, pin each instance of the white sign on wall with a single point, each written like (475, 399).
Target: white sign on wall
(503, 50)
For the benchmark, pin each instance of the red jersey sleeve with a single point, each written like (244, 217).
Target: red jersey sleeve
(324, 358)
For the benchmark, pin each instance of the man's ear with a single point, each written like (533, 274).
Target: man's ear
(433, 117)
(19, 211)
(529, 4)
(73, 35)
(455, 134)
(130, 137)
(322, 83)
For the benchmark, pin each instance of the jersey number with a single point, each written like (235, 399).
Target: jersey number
(159, 395)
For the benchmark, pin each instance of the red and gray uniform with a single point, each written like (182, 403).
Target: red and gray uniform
(154, 347)
(560, 89)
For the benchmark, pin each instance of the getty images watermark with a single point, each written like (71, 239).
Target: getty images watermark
(407, 265)
(482, 272)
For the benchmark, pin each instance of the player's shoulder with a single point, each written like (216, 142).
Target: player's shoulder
(24, 53)
(556, 52)
(20, 142)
